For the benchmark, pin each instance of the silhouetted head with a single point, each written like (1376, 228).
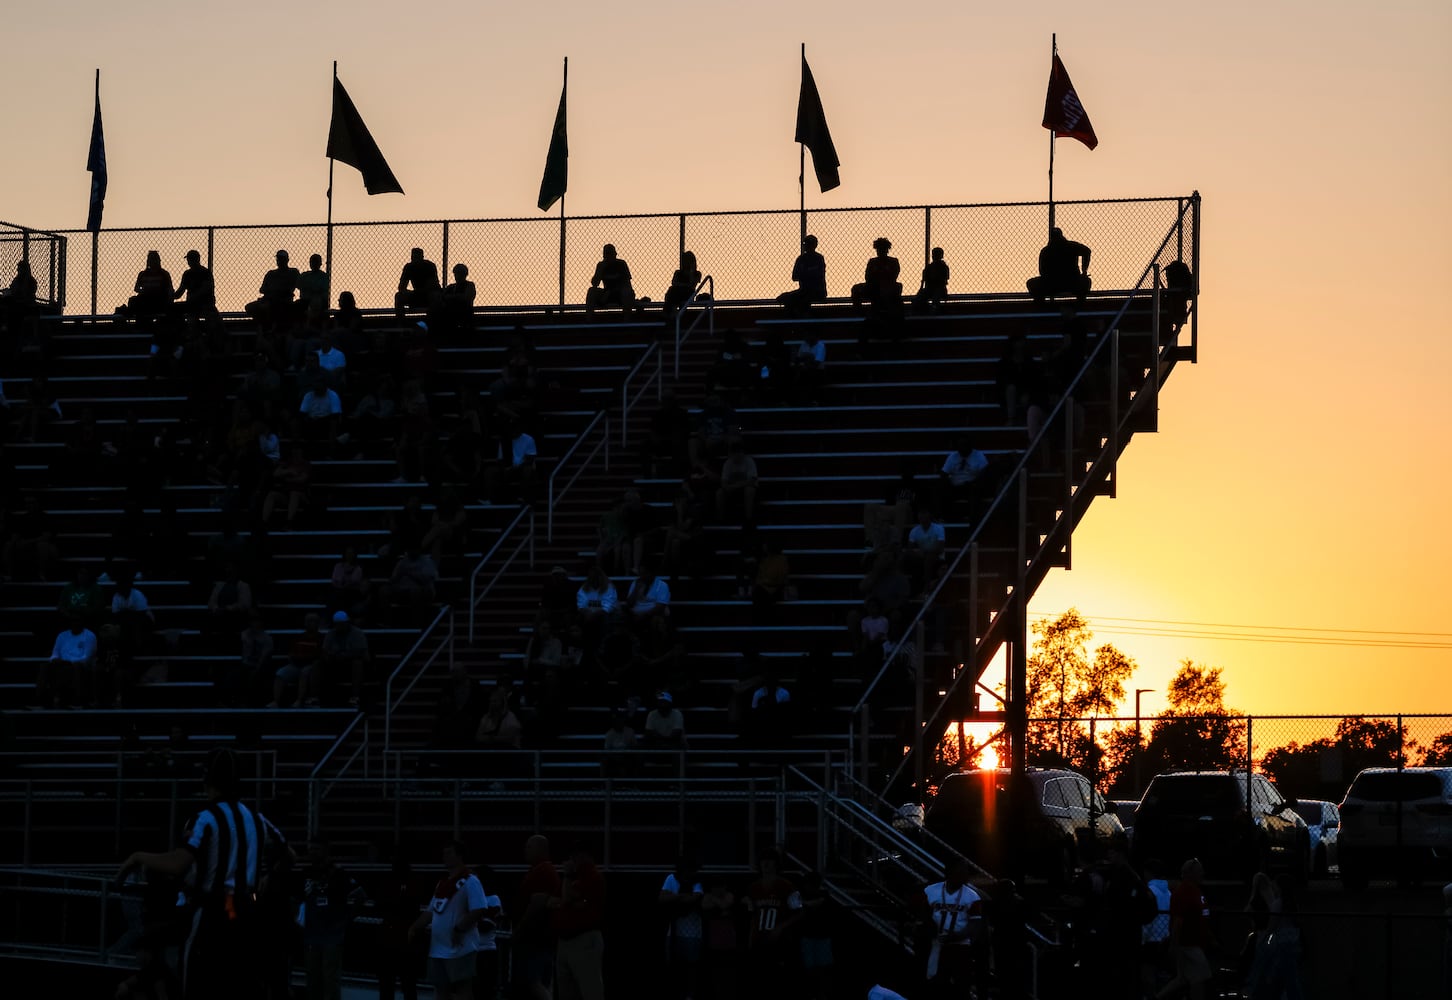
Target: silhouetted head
(937, 253)
(769, 865)
(220, 779)
(193, 258)
(688, 261)
(809, 243)
(22, 267)
(455, 855)
(315, 262)
(537, 850)
(609, 251)
(956, 875)
(153, 259)
(461, 271)
(282, 258)
(882, 245)
(1192, 871)
(1056, 235)
(416, 254)
(347, 301)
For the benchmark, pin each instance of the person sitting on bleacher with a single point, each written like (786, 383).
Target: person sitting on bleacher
(499, 728)
(809, 271)
(1060, 271)
(544, 648)
(154, 293)
(17, 301)
(610, 284)
(132, 619)
(254, 668)
(1179, 292)
(683, 285)
(449, 531)
(771, 707)
(456, 309)
(290, 482)
(68, 672)
(345, 654)
(321, 411)
(301, 670)
(879, 287)
(926, 542)
(313, 291)
(230, 604)
(959, 475)
(715, 424)
(739, 484)
(332, 361)
(771, 585)
(81, 600)
(648, 595)
(809, 366)
(596, 603)
(348, 584)
(274, 308)
(934, 289)
(665, 726)
(418, 284)
(200, 289)
(412, 583)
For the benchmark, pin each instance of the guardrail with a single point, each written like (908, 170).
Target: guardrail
(1061, 419)
(627, 401)
(476, 595)
(706, 310)
(554, 495)
(446, 644)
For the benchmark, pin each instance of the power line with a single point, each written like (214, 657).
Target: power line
(1237, 625)
(1269, 634)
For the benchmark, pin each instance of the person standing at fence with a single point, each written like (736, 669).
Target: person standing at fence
(230, 844)
(418, 284)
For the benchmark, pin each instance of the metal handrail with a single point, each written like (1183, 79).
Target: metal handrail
(445, 613)
(1010, 483)
(626, 403)
(551, 497)
(709, 313)
(476, 600)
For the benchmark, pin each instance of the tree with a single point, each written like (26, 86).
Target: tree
(1196, 730)
(1324, 768)
(1439, 753)
(1065, 685)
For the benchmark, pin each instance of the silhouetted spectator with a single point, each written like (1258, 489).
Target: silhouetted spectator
(302, 667)
(715, 424)
(545, 649)
(1060, 270)
(154, 293)
(926, 542)
(254, 669)
(683, 286)
(610, 284)
(739, 484)
(879, 287)
(809, 271)
(418, 284)
(456, 311)
(321, 413)
(1179, 293)
(648, 595)
(200, 289)
(961, 471)
(557, 598)
(770, 711)
(313, 290)
(346, 655)
(499, 728)
(274, 307)
(67, 675)
(81, 600)
(772, 580)
(620, 738)
(413, 581)
(230, 604)
(665, 726)
(291, 481)
(460, 709)
(934, 288)
(332, 361)
(809, 366)
(348, 586)
(17, 301)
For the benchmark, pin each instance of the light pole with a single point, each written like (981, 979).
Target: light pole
(1138, 745)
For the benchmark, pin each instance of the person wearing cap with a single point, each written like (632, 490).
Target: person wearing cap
(231, 846)
(200, 289)
(1060, 270)
(665, 726)
(345, 650)
(809, 271)
(274, 305)
(610, 284)
(418, 284)
(879, 286)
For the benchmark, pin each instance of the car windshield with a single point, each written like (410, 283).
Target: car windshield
(1393, 786)
(974, 799)
(1194, 793)
(1309, 811)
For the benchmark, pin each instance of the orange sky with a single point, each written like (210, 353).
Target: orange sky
(1302, 474)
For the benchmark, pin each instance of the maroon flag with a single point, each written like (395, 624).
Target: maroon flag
(1063, 114)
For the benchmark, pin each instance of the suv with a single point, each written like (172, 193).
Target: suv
(1386, 809)
(1058, 812)
(1235, 822)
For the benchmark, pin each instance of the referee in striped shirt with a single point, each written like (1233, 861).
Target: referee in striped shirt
(228, 844)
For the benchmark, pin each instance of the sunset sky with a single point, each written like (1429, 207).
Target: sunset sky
(1302, 475)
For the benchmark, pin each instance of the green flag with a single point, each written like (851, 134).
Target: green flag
(350, 142)
(557, 164)
(812, 131)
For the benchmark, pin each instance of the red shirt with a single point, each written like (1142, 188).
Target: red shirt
(583, 908)
(542, 879)
(1187, 904)
(768, 901)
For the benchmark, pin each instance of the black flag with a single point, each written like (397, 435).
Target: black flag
(350, 142)
(812, 132)
(556, 178)
(96, 164)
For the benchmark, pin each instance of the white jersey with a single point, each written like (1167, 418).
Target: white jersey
(952, 910)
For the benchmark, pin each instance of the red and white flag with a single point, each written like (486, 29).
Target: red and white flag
(1063, 114)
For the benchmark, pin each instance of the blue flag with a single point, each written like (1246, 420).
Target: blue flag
(96, 164)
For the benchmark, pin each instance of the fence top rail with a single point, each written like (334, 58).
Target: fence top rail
(56, 233)
(554, 219)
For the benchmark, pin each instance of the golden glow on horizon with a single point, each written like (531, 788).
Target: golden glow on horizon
(1301, 474)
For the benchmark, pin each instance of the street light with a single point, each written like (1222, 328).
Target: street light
(1138, 746)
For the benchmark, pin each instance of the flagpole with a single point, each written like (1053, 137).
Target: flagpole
(1052, 136)
(328, 253)
(802, 169)
(564, 97)
(95, 233)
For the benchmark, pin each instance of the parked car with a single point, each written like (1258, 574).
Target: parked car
(1124, 809)
(1323, 823)
(1396, 822)
(1042, 831)
(1235, 822)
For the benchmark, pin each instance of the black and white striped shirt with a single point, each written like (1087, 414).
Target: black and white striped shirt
(229, 839)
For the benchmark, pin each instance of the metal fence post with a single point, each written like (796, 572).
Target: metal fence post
(683, 235)
(444, 266)
(927, 234)
(95, 255)
(1195, 275)
(211, 247)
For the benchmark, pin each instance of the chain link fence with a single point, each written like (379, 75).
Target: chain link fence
(990, 248)
(46, 253)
